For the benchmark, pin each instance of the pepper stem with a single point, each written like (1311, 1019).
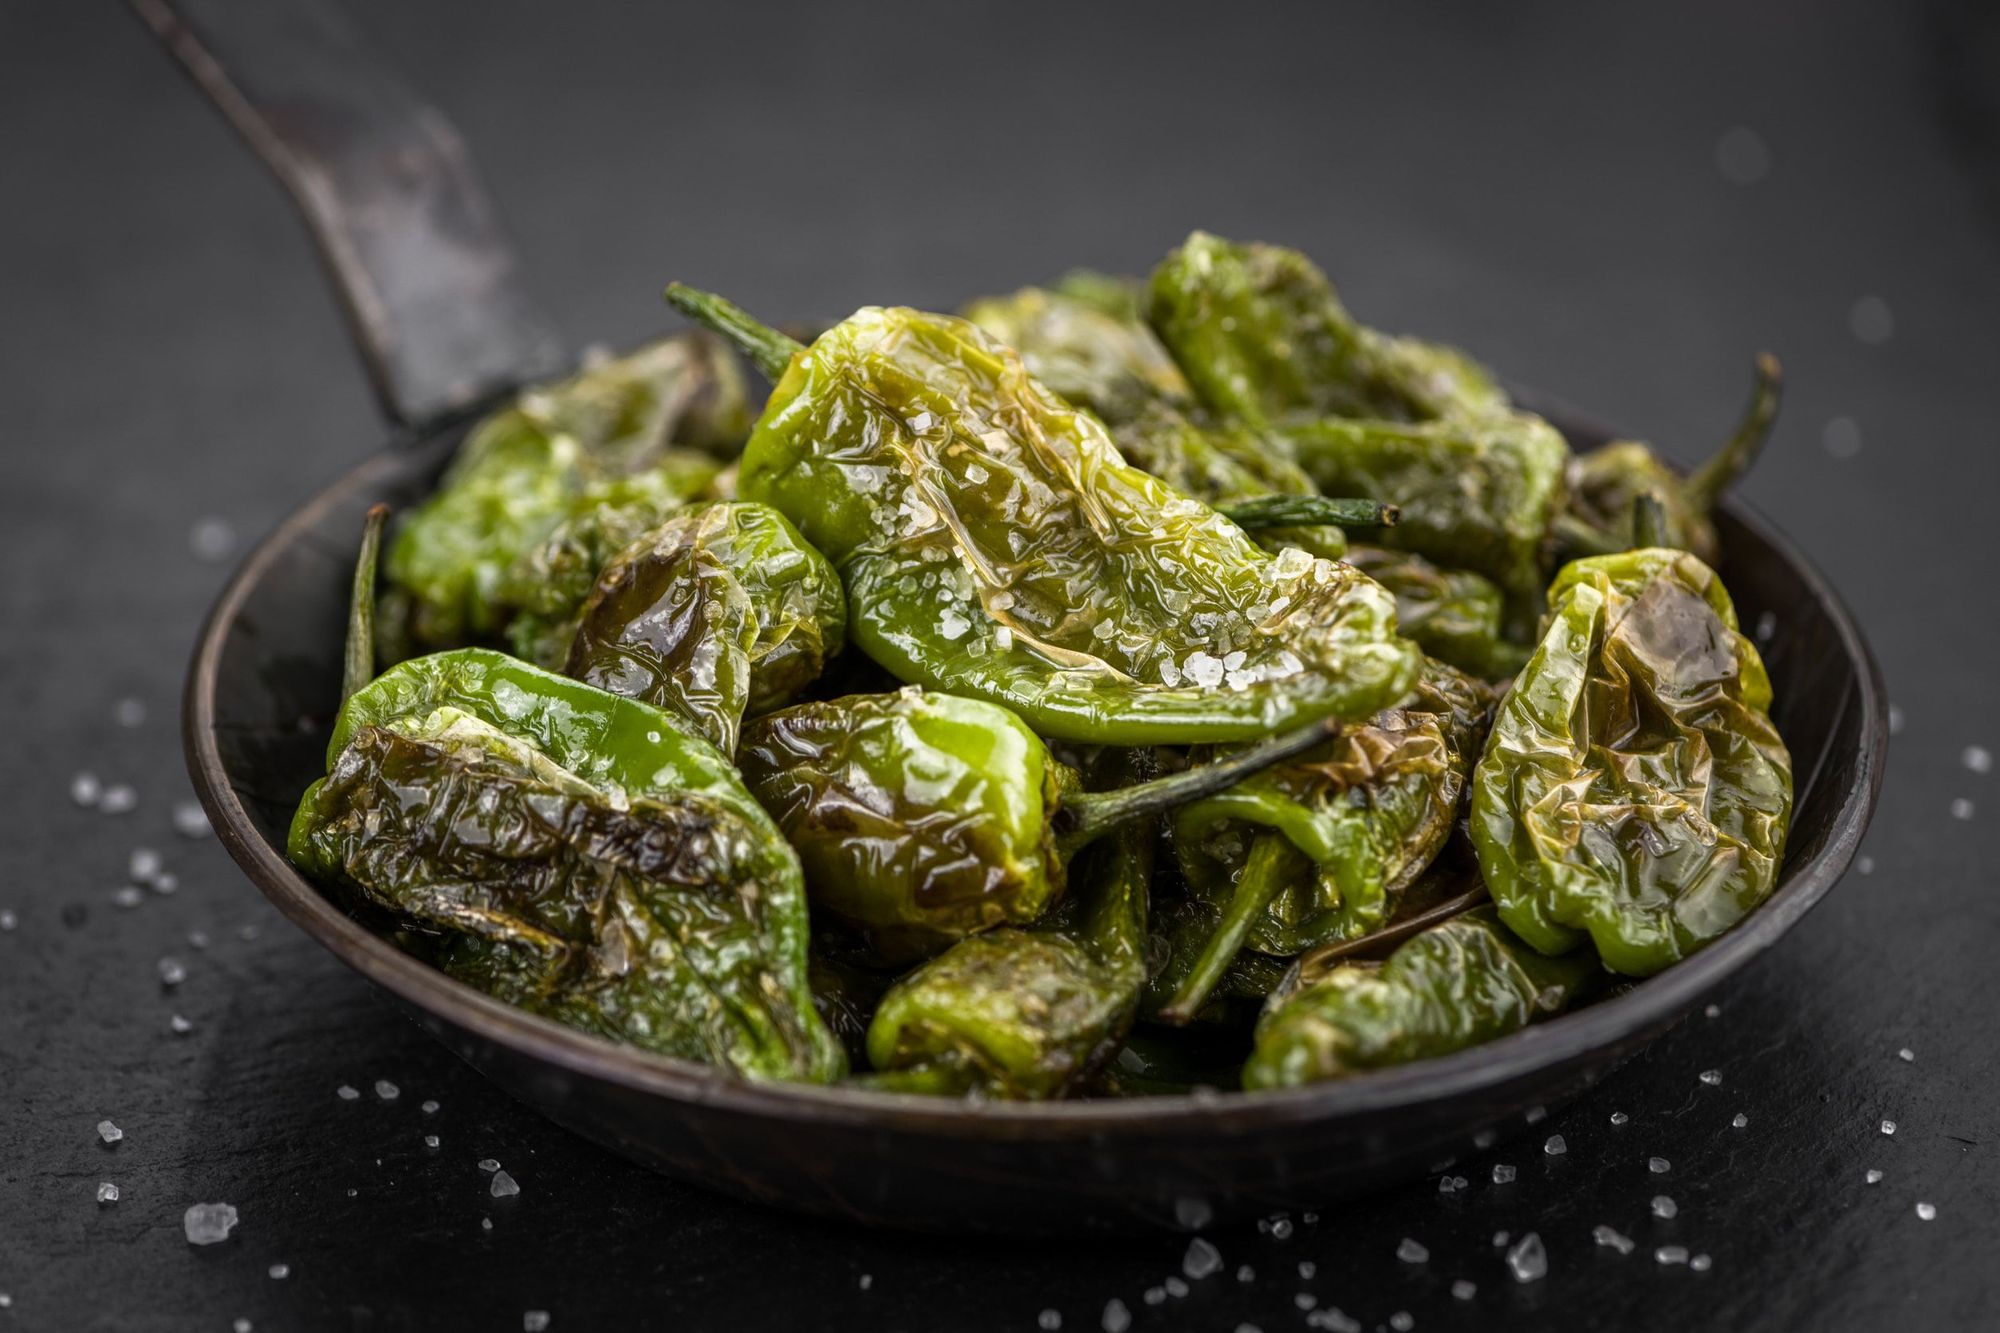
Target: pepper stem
(358, 664)
(769, 349)
(1649, 522)
(1297, 511)
(1271, 862)
(1707, 483)
(1089, 816)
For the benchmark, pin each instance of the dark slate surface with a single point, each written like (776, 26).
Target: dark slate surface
(1541, 184)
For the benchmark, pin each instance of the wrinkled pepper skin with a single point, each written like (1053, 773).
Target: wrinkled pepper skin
(524, 469)
(995, 544)
(1365, 815)
(720, 611)
(1115, 367)
(920, 818)
(1456, 616)
(1479, 494)
(1633, 788)
(1456, 985)
(1263, 338)
(1028, 1013)
(581, 855)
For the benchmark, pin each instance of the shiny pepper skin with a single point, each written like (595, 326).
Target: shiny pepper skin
(1633, 789)
(994, 544)
(574, 853)
(720, 611)
(557, 451)
(1458, 984)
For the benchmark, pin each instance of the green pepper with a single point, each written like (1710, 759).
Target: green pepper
(720, 611)
(1260, 333)
(1115, 367)
(1454, 615)
(1322, 847)
(922, 818)
(547, 456)
(994, 544)
(1028, 1013)
(1456, 985)
(571, 852)
(1633, 787)
(1605, 482)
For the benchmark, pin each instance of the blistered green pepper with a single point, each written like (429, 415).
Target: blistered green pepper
(922, 817)
(1320, 848)
(572, 852)
(1260, 333)
(1456, 616)
(1115, 367)
(1028, 1013)
(1605, 483)
(1633, 788)
(994, 544)
(720, 611)
(556, 451)
(1456, 985)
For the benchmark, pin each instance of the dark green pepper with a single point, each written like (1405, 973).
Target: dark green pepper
(1456, 616)
(1115, 367)
(1605, 483)
(1322, 847)
(557, 451)
(1454, 986)
(572, 852)
(1028, 1013)
(720, 611)
(1633, 787)
(994, 544)
(922, 818)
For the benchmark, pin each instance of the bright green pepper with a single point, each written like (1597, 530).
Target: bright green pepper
(922, 818)
(1322, 847)
(1633, 788)
(994, 544)
(1456, 985)
(550, 455)
(720, 611)
(1605, 482)
(1454, 615)
(575, 853)
(1028, 1013)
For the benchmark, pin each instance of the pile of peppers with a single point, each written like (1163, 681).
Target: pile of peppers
(1122, 686)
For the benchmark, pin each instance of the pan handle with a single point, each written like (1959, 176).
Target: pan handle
(428, 283)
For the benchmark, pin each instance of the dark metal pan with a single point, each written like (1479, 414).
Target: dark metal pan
(428, 287)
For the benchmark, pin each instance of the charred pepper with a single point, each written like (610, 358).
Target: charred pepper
(720, 611)
(1456, 985)
(557, 451)
(923, 817)
(1633, 788)
(994, 544)
(571, 852)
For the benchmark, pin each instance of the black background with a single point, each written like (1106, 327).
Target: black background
(1538, 181)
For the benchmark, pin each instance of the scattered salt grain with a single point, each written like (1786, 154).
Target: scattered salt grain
(211, 539)
(118, 799)
(197, 939)
(1281, 1228)
(1556, 1146)
(1503, 1173)
(1977, 758)
(430, 1141)
(1528, 1260)
(503, 1185)
(128, 896)
(1611, 1239)
(208, 1223)
(1500, 1239)
(1049, 1320)
(1888, 1127)
(1927, 1211)
(1961, 808)
(1307, 1269)
(1117, 1318)
(429, 1108)
(1402, 1321)
(7, 919)
(489, 1165)
(1663, 1206)
(485, 1224)
(144, 863)
(171, 972)
(1305, 1300)
(109, 1132)
(1712, 1077)
(165, 882)
(1330, 1318)
(1619, 1117)
(107, 1192)
(386, 1090)
(347, 1092)
(865, 1281)
(190, 820)
(1154, 1295)
(1700, 1263)
(1534, 1115)
(1865, 864)
(1202, 1259)
(279, 1272)
(1175, 1287)
(85, 789)
(1463, 1290)
(1740, 1120)
(534, 1321)
(242, 1325)
(1712, 1011)
(1671, 1254)
(179, 1026)
(1659, 1166)
(1412, 1252)
(1873, 1177)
